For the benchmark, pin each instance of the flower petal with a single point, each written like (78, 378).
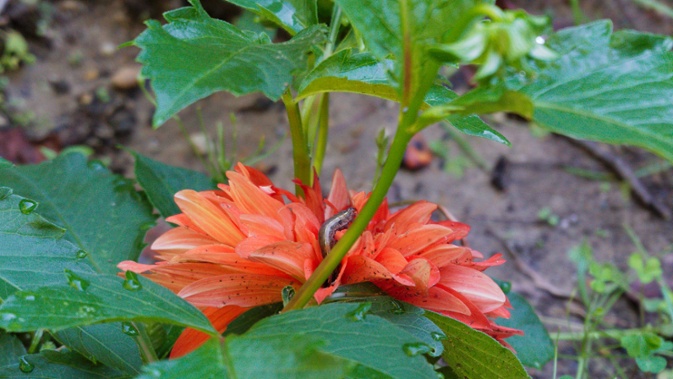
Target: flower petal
(416, 240)
(417, 213)
(422, 272)
(288, 257)
(226, 258)
(339, 197)
(180, 239)
(208, 217)
(245, 290)
(436, 299)
(190, 339)
(251, 199)
(474, 285)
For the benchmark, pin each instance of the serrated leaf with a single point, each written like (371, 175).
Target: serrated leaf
(350, 333)
(472, 354)
(92, 298)
(291, 15)
(102, 213)
(161, 181)
(104, 343)
(534, 348)
(208, 55)
(361, 73)
(54, 364)
(32, 250)
(609, 87)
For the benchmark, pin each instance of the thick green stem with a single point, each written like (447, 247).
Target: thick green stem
(323, 126)
(300, 153)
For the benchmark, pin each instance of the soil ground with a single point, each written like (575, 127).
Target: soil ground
(73, 94)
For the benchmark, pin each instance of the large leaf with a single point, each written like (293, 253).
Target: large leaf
(406, 37)
(361, 73)
(291, 15)
(195, 55)
(86, 299)
(349, 332)
(32, 250)
(104, 343)
(161, 181)
(102, 213)
(473, 355)
(273, 357)
(52, 364)
(33, 254)
(534, 348)
(11, 349)
(614, 88)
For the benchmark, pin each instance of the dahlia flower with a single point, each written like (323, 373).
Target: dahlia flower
(237, 247)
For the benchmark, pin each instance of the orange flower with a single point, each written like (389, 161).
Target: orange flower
(238, 247)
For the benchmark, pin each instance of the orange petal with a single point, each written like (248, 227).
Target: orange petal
(460, 230)
(257, 225)
(420, 238)
(179, 240)
(251, 199)
(226, 258)
(245, 290)
(360, 269)
(338, 196)
(392, 260)
(481, 290)
(190, 339)
(446, 254)
(423, 273)
(286, 256)
(436, 299)
(417, 213)
(208, 217)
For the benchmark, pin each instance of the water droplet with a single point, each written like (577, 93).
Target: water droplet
(287, 294)
(132, 283)
(8, 317)
(25, 366)
(86, 311)
(413, 349)
(27, 206)
(360, 312)
(437, 336)
(29, 297)
(397, 308)
(81, 254)
(129, 329)
(5, 192)
(440, 375)
(505, 287)
(96, 165)
(539, 40)
(75, 281)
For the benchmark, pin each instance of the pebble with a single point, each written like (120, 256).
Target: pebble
(126, 77)
(91, 74)
(200, 142)
(107, 49)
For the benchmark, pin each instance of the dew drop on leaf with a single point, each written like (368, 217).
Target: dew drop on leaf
(437, 336)
(131, 282)
(129, 329)
(75, 281)
(413, 349)
(5, 192)
(27, 206)
(81, 254)
(25, 366)
(360, 312)
(96, 165)
(86, 311)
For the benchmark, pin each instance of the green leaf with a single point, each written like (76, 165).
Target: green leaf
(102, 213)
(238, 357)
(11, 349)
(208, 55)
(473, 354)
(62, 364)
(92, 298)
(243, 322)
(534, 348)
(615, 88)
(32, 250)
(291, 15)
(104, 343)
(349, 332)
(161, 181)
(361, 73)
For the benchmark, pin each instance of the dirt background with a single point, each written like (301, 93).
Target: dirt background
(81, 90)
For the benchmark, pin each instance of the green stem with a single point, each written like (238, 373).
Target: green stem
(610, 333)
(323, 126)
(145, 344)
(300, 153)
(330, 263)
